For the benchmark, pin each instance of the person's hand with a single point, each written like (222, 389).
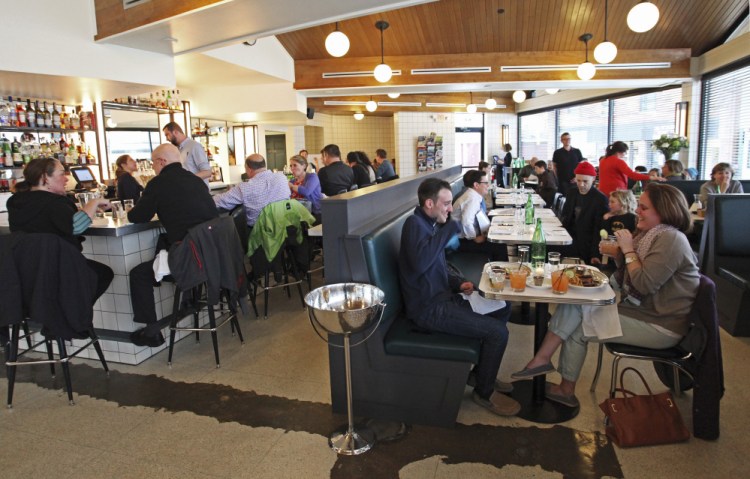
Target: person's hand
(91, 207)
(480, 239)
(596, 260)
(660, 179)
(624, 240)
(466, 287)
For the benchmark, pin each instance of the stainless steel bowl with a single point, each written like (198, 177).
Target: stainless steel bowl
(345, 308)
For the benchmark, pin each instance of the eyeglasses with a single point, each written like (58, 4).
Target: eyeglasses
(483, 182)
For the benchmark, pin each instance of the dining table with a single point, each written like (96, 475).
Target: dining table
(511, 200)
(538, 212)
(530, 394)
(513, 233)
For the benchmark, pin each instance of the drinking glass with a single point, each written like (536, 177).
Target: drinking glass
(497, 278)
(118, 212)
(518, 279)
(128, 205)
(554, 260)
(523, 254)
(559, 282)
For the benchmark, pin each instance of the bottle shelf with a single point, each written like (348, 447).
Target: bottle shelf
(17, 129)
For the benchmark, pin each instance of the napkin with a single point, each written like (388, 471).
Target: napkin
(480, 304)
(602, 322)
(161, 265)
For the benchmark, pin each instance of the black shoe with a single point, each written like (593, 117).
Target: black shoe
(140, 337)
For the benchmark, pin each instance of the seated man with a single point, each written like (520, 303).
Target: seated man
(335, 177)
(182, 201)
(261, 188)
(471, 214)
(431, 299)
(384, 167)
(547, 187)
(582, 214)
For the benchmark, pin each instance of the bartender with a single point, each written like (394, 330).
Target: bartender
(128, 187)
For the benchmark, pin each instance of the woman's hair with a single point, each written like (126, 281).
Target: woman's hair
(626, 199)
(507, 147)
(363, 158)
(616, 147)
(655, 170)
(34, 171)
(675, 166)
(718, 167)
(300, 160)
(120, 163)
(670, 204)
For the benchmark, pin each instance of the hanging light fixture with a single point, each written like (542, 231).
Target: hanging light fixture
(606, 51)
(471, 107)
(519, 96)
(359, 115)
(394, 95)
(337, 43)
(552, 91)
(382, 72)
(371, 105)
(491, 103)
(586, 70)
(643, 17)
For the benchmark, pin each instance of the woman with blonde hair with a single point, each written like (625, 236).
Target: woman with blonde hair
(305, 186)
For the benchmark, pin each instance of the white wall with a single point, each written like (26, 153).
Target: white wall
(266, 56)
(492, 134)
(241, 103)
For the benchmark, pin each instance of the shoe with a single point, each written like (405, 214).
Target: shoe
(499, 404)
(528, 373)
(570, 401)
(500, 386)
(139, 337)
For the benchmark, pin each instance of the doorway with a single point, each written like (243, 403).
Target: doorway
(469, 148)
(276, 151)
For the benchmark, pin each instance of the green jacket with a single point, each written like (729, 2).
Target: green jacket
(269, 231)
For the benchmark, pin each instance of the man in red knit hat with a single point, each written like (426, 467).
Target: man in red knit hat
(582, 214)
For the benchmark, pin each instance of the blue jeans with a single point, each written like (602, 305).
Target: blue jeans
(454, 316)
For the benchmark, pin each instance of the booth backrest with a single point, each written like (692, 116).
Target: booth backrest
(731, 216)
(689, 188)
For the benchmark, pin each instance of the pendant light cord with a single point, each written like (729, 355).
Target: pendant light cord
(606, 18)
(382, 58)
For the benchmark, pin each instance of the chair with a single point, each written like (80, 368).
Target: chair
(559, 204)
(208, 265)
(46, 279)
(278, 245)
(697, 357)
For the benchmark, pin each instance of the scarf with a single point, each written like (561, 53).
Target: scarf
(642, 243)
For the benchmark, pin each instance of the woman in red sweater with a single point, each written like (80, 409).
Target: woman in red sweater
(614, 172)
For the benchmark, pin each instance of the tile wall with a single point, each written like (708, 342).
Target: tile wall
(359, 135)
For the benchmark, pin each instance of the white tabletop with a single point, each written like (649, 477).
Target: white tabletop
(508, 220)
(507, 200)
(538, 212)
(554, 234)
(576, 295)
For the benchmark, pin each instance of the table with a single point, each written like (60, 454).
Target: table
(507, 200)
(554, 234)
(531, 393)
(507, 220)
(538, 212)
(697, 219)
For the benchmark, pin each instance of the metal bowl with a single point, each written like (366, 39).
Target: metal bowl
(345, 308)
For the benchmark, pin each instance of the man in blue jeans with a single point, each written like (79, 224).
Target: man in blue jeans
(431, 296)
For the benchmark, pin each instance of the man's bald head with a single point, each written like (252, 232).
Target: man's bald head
(164, 155)
(254, 164)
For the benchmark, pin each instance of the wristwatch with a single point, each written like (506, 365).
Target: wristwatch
(630, 259)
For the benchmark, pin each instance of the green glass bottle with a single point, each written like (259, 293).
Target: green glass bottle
(538, 244)
(637, 188)
(529, 210)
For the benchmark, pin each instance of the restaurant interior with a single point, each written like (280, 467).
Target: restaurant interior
(279, 76)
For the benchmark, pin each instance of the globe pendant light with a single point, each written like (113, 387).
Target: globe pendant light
(491, 103)
(471, 107)
(519, 96)
(358, 116)
(606, 51)
(337, 43)
(394, 95)
(371, 105)
(586, 70)
(382, 72)
(643, 17)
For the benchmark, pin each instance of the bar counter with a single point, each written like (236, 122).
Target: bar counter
(121, 246)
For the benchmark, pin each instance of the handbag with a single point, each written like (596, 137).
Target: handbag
(643, 420)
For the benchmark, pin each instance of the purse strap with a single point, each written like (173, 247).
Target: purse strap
(622, 377)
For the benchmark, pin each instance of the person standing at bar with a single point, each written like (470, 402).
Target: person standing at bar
(182, 201)
(193, 155)
(128, 187)
(564, 162)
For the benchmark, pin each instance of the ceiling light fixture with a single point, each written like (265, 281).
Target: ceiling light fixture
(394, 95)
(471, 107)
(606, 51)
(643, 17)
(337, 43)
(552, 91)
(491, 103)
(358, 116)
(586, 70)
(519, 96)
(382, 72)
(371, 105)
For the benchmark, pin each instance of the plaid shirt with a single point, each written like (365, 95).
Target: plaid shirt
(264, 188)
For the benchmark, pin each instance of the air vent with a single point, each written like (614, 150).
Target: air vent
(133, 3)
(446, 105)
(608, 66)
(343, 103)
(399, 103)
(450, 71)
(353, 74)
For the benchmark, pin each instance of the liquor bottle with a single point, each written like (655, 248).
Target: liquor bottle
(6, 151)
(90, 160)
(16, 149)
(74, 122)
(21, 114)
(13, 114)
(63, 118)
(538, 244)
(529, 219)
(30, 114)
(47, 116)
(55, 116)
(4, 113)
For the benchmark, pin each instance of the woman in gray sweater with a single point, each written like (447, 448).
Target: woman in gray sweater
(658, 279)
(721, 182)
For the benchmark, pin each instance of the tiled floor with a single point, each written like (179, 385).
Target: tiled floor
(266, 413)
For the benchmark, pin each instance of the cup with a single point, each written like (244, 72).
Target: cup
(128, 205)
(497, 279)
(118, 211)
(559, 282)
(538, 273)
(523, 253)
(554, 260)
(518, 279)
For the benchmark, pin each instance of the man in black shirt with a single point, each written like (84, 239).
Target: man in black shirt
(564, 162)
(582, 214)
(335, 177)
(182, 201)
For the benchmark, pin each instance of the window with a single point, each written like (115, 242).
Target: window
(725, 122)
(639, 119)
(536, 135)
(588, 127)
(243, 142)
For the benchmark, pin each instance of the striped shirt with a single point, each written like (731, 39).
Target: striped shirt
(260, 190)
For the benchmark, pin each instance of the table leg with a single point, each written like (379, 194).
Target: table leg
(524, 318)
(535, 406)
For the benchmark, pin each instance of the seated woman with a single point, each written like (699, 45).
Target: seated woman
(41, 206)
(305, 186)
(658, 278)
(673, 170)
(362, 172)
(128, 187)
(721, 182)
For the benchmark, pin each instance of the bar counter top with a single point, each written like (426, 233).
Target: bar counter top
(100, 226)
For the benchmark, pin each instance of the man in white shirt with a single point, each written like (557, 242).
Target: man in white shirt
(194, 158)
(471, 212)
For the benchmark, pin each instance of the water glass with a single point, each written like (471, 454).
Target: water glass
(118, 211)
(128, 205)
(523, 253)
(554, 260)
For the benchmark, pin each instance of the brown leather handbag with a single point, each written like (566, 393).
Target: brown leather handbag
(643, 420)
